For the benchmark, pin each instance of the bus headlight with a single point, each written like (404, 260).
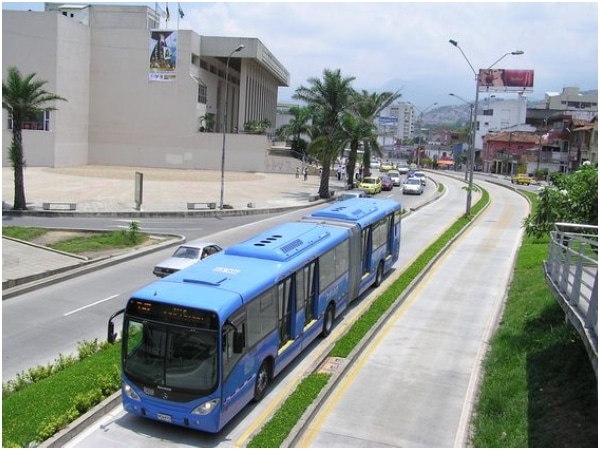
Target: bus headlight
(206, 407)
(129, 392)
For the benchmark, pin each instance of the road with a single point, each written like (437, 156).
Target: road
(419, 229)
(412, 385)
(41, 325)
(118, 429)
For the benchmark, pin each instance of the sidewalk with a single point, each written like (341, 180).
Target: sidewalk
(105, 189)
(110, 191)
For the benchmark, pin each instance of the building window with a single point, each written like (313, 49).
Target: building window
(41, 121)
(195, 60)
(201, 93)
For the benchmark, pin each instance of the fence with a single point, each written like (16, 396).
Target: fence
(572, 271)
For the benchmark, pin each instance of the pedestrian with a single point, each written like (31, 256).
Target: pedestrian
(297, 172)
(305, 173)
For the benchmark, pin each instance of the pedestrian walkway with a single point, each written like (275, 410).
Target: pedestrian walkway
(105, 189)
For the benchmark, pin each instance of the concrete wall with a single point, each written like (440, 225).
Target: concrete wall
(243, 153)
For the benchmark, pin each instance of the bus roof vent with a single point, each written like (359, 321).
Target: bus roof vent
(343, 212)
(210, 279)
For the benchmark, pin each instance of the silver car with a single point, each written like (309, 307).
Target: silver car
(352, 193)
(412, 186)
(184, 256)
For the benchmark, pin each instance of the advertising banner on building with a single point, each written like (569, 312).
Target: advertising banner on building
(163, 55)
(505, 80)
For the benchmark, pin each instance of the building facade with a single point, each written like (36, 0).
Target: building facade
(139, 94)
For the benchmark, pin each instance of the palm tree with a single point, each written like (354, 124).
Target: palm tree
(367, 107)
(24, 99)
(328, 98)
(298, 126)
(353, 130)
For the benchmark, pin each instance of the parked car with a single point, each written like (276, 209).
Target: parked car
(386, 183)
(372, 185)
(395, 177)
(184, 256)
(352, 193)
(521, 178)
(421, 177)
(412, 186)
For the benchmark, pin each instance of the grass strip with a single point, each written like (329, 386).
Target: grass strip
(34, 414)
(279, 426)
(23, 233)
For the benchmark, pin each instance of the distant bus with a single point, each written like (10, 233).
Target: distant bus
(199, 345)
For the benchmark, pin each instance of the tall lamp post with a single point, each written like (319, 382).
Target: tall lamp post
(240, 47)
(471, 118)
(420, 125)
(474, 124)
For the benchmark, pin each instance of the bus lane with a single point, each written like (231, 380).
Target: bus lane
(118, 429)
(414, 383)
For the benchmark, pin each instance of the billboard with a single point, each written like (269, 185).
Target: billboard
(385, 120)
(163, 55)
(505, 80)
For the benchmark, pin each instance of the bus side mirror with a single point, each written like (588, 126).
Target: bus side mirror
(238, 342)
(112, 336)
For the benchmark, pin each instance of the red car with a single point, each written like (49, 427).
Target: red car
(386, 183)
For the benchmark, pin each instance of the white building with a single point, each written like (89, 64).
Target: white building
(139, 94)
(497, 115)
(396, 123)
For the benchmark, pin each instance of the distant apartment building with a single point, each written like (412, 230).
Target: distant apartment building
(139, 92)
(395, 123)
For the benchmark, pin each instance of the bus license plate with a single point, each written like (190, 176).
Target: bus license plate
(164, 417)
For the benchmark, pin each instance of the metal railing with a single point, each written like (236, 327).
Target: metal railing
(572, 271)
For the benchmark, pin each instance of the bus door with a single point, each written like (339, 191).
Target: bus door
(306, 304)
(289, 345)
(366, 252)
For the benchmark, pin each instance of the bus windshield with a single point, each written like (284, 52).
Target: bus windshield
(172, 356)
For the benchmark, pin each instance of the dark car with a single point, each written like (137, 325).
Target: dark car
(386, 183)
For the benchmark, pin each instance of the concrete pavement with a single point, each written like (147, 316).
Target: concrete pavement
(111, 191)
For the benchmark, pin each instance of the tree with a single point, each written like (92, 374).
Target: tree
(327, 98)
(572, 198)
(298, 126)
(24, 99)
(368, 106)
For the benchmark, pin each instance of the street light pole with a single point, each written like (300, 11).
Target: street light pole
(420, 124)
(471, 119)
(240, 47)
(474, 124)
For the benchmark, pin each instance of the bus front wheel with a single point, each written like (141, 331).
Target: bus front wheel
(328, 321)
(379, 275)
(262, 381)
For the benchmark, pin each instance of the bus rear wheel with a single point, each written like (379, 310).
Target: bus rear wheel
(379, 275)
(328, 321)
(262, 381)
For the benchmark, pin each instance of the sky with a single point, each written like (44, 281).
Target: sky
(404, 46)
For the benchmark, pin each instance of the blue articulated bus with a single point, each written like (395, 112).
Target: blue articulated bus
(200, 344)
(378, 222)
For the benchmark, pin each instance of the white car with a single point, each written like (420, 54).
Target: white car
(185, 256)
(421, 177)
(395, 177)
(412, 186)
(351, 194)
